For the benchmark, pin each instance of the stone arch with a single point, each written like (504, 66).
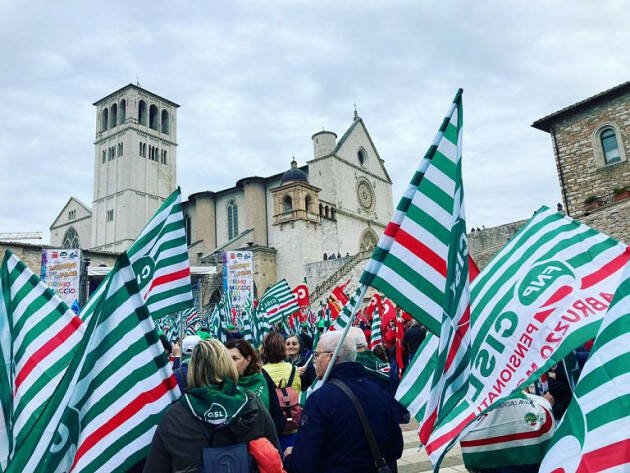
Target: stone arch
(123, 112)
(153, 117)
(604, 135)
(308, 203)
(71, 239)
(104, 119)
(113, 115)
(368, 240)
(165, 124)
(287, 203)
(142, 112)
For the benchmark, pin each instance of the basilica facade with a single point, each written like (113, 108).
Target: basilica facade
(333, 205)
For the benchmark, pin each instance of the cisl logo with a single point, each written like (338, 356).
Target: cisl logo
(542, 278)
(216, 414)
(268, 302)
(144, 269)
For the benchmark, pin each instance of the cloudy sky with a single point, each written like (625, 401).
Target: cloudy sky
(256, 79)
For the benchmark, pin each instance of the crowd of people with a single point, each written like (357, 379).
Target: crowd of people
(248, 405)
(266, 406)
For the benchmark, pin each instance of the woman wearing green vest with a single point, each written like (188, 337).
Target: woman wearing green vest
(248, 364)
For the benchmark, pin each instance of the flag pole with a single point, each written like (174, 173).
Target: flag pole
(345, 332)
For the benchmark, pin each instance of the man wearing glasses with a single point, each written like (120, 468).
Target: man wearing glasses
(331, 437)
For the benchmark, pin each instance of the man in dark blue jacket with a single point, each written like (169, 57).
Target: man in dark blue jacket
(331, 438)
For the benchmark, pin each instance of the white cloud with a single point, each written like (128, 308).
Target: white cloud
(256, 80)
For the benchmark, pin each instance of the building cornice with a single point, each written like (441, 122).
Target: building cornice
(130, 126)
(370, 221)
(358, 168)
(143, 194)
(70, 223)
(137, 87)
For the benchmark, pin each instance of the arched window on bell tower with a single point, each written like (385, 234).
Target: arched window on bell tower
(142, 112)
(287, 204)
(123, 112)
(104, 119)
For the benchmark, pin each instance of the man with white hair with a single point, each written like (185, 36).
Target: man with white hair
(331, 437)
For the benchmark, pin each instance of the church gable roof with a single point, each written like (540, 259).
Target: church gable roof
(72, 202)
(352, 139)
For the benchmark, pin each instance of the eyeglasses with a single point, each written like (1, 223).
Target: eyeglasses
(316, 354)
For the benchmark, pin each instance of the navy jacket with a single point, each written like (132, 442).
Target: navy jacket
(330, 438)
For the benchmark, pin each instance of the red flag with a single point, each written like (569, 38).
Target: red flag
(340, 295)
(335, 306)
(301, 293)
(375, 300)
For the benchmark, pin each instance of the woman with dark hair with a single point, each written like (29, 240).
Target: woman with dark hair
(253, 378)
(214, 412)
(295, 355)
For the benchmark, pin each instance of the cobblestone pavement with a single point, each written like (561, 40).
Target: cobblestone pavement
(414, 460)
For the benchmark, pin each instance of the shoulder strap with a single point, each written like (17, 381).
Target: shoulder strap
(290, 382)
(379, 461)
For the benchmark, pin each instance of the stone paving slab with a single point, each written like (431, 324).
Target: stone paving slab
(416, 460)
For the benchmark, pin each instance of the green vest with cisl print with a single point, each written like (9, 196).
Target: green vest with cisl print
(257, 384)
(374, 366)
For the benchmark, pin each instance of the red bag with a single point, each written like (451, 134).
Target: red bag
(289, 401)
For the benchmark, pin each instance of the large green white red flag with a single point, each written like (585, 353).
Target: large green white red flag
(543, 295)
(103, 414)
(277, 303)
(594, 434)
(159, 258)
(421, 263)
(38, 336)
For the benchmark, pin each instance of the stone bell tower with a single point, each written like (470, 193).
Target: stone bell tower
(134, 164)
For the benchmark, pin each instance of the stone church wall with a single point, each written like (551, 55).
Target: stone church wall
(483, 245)
(613, 220)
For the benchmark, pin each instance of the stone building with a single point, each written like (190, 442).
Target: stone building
(335, 205)
(135, 157)
(591, 143)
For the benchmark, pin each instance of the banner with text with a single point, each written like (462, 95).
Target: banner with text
(61, 271)
(238, 278)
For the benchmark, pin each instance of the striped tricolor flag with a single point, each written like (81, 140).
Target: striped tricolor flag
(159, 258)
(376, 338)
(354, 302)
(277, 303)
(102, 416)
(38, 336)
(409, 264)
(191, 320)
(421, 263)
(553, 282)
(595, 432)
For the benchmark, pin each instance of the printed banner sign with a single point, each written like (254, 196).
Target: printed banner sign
(238, 278)
(61, 271)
